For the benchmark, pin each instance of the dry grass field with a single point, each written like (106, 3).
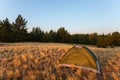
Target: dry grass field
(39, 61)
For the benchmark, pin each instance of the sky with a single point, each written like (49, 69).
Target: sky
(77, 16)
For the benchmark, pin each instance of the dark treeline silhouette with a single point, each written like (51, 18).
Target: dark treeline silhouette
(17, 32)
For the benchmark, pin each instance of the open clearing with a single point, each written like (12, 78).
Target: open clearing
(39, 61)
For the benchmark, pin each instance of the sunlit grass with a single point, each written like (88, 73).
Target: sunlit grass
(40, 62)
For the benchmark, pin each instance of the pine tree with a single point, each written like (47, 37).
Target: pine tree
(19, 28)
(5, 31)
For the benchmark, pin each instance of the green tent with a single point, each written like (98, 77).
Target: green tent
(81, 56)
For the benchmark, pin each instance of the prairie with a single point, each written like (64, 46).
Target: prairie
(39, 61)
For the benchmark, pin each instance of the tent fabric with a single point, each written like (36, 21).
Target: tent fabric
(81, 56)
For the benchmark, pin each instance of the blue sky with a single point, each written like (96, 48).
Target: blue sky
(77, 16)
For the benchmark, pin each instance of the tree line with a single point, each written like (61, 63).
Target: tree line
(17, 31)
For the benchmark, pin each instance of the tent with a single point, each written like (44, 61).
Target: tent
(81, 56)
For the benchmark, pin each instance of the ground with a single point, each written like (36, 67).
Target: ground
(39, 61)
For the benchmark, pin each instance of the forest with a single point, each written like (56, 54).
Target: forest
(17, 31)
